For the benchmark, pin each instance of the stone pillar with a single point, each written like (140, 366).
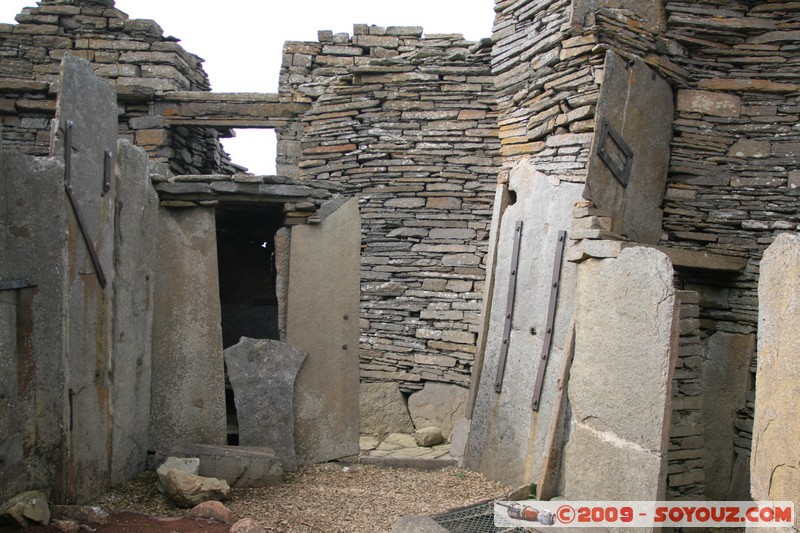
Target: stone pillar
(775, 460)
(134, 264)
(621, 378)
(90, 104)
(323, 306)
(188, 377)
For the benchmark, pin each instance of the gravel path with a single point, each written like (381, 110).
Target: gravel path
(332, 497)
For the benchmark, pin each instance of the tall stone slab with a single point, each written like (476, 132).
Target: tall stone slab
(89, 104)
(620, 381)
(637, 104)
(33, 215)
(725, 381)
(775, 460)
(506, 439)
(322, 319)
(262, 373)
(188, 373)
(134, 274)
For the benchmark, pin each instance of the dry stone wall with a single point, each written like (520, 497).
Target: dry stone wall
(408, 124)
(134, 55)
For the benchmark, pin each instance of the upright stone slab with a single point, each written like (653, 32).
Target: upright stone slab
(775, 460)
(322, 319)
(506, 439)
(725, 381)
(134, 273)
(262, 373)
(637, 104)
(90, 105)
(188, 376)
(621, 378)
(383, 409)
(33, 248)
(438, 404)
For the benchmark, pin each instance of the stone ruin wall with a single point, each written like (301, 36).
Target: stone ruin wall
(408, 124)
(134, 55)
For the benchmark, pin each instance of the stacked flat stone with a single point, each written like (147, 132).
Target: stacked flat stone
(134, 55)
(408, 124)
(685, 471)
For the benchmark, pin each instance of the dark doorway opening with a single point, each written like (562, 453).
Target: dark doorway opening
(249, 304)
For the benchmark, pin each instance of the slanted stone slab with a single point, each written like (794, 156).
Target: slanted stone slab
(439, 405)
(240, 466)
(621, 378)
(775, 463)
(383, 409)
(262, 373)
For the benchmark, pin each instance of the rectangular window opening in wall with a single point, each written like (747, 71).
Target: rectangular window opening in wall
(254, 149)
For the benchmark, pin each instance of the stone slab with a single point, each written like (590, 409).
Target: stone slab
(322, 319)
(188, 382)
(90, 103)
(505, 441)
(774, 466)
(262, 373)
(638, 104)
(134, 274)
(240, 466)
(383, 409)
(438, 404)
(625, 349)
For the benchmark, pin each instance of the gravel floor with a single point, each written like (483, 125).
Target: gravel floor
(330, 497)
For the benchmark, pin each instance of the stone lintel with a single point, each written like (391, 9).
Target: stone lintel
(703, 260)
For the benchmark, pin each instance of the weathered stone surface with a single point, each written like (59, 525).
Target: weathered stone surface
(188, 490)
(458, 438)
(211, 510)
(240, 466)
(428, 436)
(438, 404)
(247, 525)
(188, 383)
(417, 524)
(774, 470)
(184, 464)
(134, 272)
(90, 515)
(383, 409)
(638, 104)
(626, 318)
(262, 373)
(504, 434)
(91, 105)
(26, 509)
(726, 378)
(326, 390)
(709, 103)
(65, 526)
(651, 12)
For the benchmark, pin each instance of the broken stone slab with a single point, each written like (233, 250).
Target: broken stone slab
(458, 439)
(427, 437)
(240, 466)
(26, 509)
(262, 373)
(185, 464)
(188, 490)
(383, 409)
(438, 404)
(90, 515)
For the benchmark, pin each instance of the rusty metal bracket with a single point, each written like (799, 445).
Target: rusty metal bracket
(16, 284)
(101, 277)
(108, 171)
(512, 289)
(547, 343)
(620, 169)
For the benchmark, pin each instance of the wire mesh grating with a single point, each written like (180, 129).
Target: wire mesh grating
(478, 518)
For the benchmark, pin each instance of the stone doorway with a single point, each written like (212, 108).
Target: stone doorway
(247, 273)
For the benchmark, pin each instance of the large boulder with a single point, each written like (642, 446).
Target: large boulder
(188, 490)
(211, 510)
(190, 465)
(383, 409)
(438, 404)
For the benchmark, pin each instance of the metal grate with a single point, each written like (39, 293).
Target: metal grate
(478, 518)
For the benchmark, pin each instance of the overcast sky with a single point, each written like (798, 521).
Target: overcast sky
(241, 40)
